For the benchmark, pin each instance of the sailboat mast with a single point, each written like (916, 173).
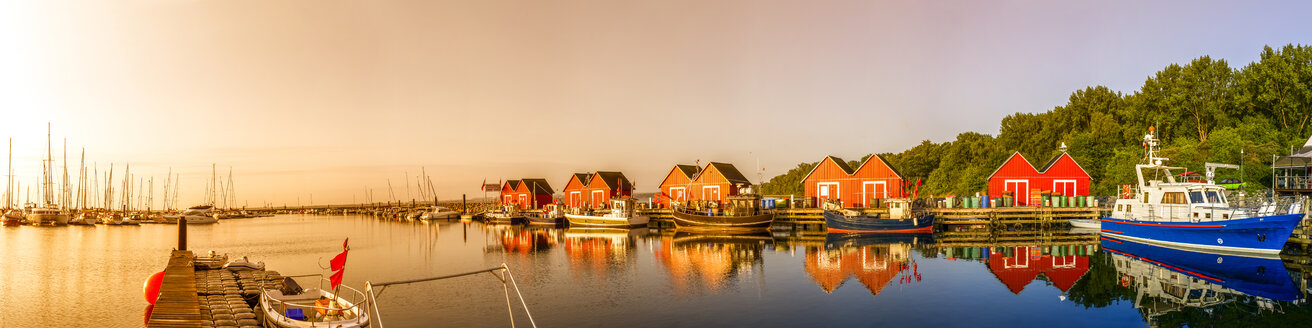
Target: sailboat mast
(9, 186)
(46, 195)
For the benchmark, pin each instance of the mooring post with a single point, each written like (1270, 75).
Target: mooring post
(182, 232)
(464, 204)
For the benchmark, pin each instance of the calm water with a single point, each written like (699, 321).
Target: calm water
(92, 276)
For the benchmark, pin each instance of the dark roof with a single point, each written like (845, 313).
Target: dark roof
(540, 184)
(841, 164)
(514, 184)
(1051, 162)
(690, 171)
(730, 173)
(611, 178)
(584, 178)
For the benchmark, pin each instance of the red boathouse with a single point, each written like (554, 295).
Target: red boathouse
(526, 193)
(1060, 176)
(832, 178)
(596, 189)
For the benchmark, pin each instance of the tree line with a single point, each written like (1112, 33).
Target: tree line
(1203, 111)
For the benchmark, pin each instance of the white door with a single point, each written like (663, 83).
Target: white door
(598, 198)
(826, 190)
(873, 189)
(1064, 187)
(575, 199)
(1020, 189)
(523, 201)
(711, 192)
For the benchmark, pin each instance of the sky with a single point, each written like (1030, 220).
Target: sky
(328, 100)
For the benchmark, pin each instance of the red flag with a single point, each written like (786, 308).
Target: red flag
(336, 279)
(339, 262)
(344, 242)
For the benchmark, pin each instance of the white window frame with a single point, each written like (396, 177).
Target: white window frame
(575, 198)
(874, 189)
(597, 198)
(838, 190)
(705, 192)
(1075, 186)
(681, 195)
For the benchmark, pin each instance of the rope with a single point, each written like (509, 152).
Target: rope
(508, 308)
(521, 298)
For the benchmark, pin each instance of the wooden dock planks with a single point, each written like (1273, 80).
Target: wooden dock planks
(178, 304)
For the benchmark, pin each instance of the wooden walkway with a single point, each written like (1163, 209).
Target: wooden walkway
(178, 304)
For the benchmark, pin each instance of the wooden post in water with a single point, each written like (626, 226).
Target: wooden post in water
(182, 232)
(464, 204)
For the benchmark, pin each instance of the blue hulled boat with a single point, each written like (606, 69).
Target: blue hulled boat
(901, 219)
(1217, 273)
(1196, 215)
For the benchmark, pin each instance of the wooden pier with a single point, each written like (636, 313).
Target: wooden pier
(993, 218)
(178, 304)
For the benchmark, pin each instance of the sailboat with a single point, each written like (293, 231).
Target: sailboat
(48, 213)
(1196, 214)
(11, 216)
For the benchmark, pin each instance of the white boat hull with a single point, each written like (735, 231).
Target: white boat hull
(1086, 224)
(593, 221)
(48, 219)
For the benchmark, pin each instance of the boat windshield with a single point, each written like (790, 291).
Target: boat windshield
(1214, 197)
(1195, 197)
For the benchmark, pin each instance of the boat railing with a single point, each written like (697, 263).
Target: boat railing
(357, 300)
(502, 273)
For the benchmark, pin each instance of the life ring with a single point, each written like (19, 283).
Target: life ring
(1125, 191)
(1125, 281)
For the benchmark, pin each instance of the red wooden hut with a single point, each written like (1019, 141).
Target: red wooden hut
(576, 190)
(1060, 176)
(603, 186)
(716, 182)
(526, 193)
(675, 185)
(834, 179)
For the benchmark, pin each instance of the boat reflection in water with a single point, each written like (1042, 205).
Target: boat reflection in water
(874, 259)
(708, 262)
(599, 250)
(1165, 280)
(526, 240)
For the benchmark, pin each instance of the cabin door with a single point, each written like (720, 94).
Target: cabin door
(575, 199)
(711, 193)
(825, 191)
(598, 198)
(1064, 187)
(873, 189)
(523, 201)
(1020, 189)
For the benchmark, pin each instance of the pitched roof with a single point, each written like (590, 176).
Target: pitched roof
(1056, 159)
(514, 184)
(689, 171)
(583, 178)
(611, 178)
(1004, 163)
(729, 172)
(842, 165)
(541, 185)
(881, 159)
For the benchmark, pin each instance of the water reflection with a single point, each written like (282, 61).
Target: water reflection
(526, 239)
(1174, 286)
(598, 250)
(874, 259)
(709, 262)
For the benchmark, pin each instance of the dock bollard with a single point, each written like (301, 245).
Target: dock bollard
(182, 232)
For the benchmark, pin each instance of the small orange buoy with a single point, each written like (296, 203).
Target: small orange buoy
(151, 288)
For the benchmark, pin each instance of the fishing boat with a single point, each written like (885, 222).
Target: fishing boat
(622, 214)
(1086, 224)
(509, 214)
(294, 307)
(1196, 215)
(901, 219)
(439, 212)
(743, 212)
(551, 215)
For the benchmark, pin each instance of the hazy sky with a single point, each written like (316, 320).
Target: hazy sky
(333, 97)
